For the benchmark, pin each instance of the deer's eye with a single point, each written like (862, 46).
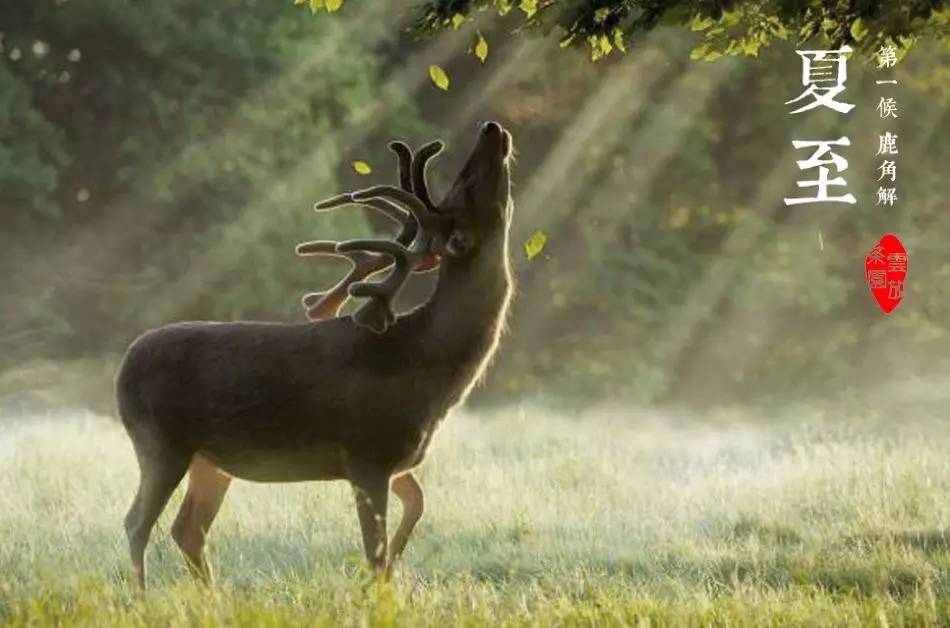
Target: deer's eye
(459, 244)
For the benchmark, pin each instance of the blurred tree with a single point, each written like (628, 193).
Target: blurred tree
(159, 160)
(32, 154)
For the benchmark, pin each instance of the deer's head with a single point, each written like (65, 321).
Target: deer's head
(475, 212)
(479, 205)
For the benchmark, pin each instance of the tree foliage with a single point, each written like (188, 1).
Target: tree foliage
(728, 27)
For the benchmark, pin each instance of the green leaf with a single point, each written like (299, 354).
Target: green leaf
(457, 20)
(858, 29)
(530, 7)
(316, 5)
(618, 40)
(700, 23)
(362, 167)
(535, 244)
(333, 5)
(439, 77)
(481, 48)
(751, 48)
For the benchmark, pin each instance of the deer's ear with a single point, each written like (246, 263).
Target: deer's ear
(459, 243)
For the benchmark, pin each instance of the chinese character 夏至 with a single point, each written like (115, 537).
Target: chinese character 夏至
(824, 73)
(823, 182)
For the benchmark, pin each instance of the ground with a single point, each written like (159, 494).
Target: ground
(618, 518)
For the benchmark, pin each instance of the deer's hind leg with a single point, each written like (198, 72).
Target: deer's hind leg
(161, 469)
(207, 485)
(407, 488)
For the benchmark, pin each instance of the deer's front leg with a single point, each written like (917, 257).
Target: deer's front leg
(371, 489)
(406, 487)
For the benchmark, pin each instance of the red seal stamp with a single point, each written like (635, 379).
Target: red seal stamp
(885, 269)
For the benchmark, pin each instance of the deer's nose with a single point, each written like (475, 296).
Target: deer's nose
(489, 128)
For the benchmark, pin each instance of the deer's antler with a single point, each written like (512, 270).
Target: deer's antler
(415, 248)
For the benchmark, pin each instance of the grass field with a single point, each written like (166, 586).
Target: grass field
(531, 520)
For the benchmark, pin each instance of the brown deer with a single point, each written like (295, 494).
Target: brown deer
(339, 398)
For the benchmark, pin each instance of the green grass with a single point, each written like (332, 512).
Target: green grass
(531, 520)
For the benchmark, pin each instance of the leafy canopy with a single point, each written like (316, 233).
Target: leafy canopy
(729, 27)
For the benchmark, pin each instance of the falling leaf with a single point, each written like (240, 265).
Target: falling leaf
(362, 167)
(821, 241)
(481, 48)
(439, 77)
(535, 244)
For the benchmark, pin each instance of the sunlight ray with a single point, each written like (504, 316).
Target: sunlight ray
(616, 98)
(245, 229)
(100, 241)
(680, 103)
(744, 240)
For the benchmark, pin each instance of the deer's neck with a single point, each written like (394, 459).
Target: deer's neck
(465, 316)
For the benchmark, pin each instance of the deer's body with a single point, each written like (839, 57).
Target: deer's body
(327, 400)
(273, 402)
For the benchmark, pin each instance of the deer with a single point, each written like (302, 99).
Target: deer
(353, 398)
